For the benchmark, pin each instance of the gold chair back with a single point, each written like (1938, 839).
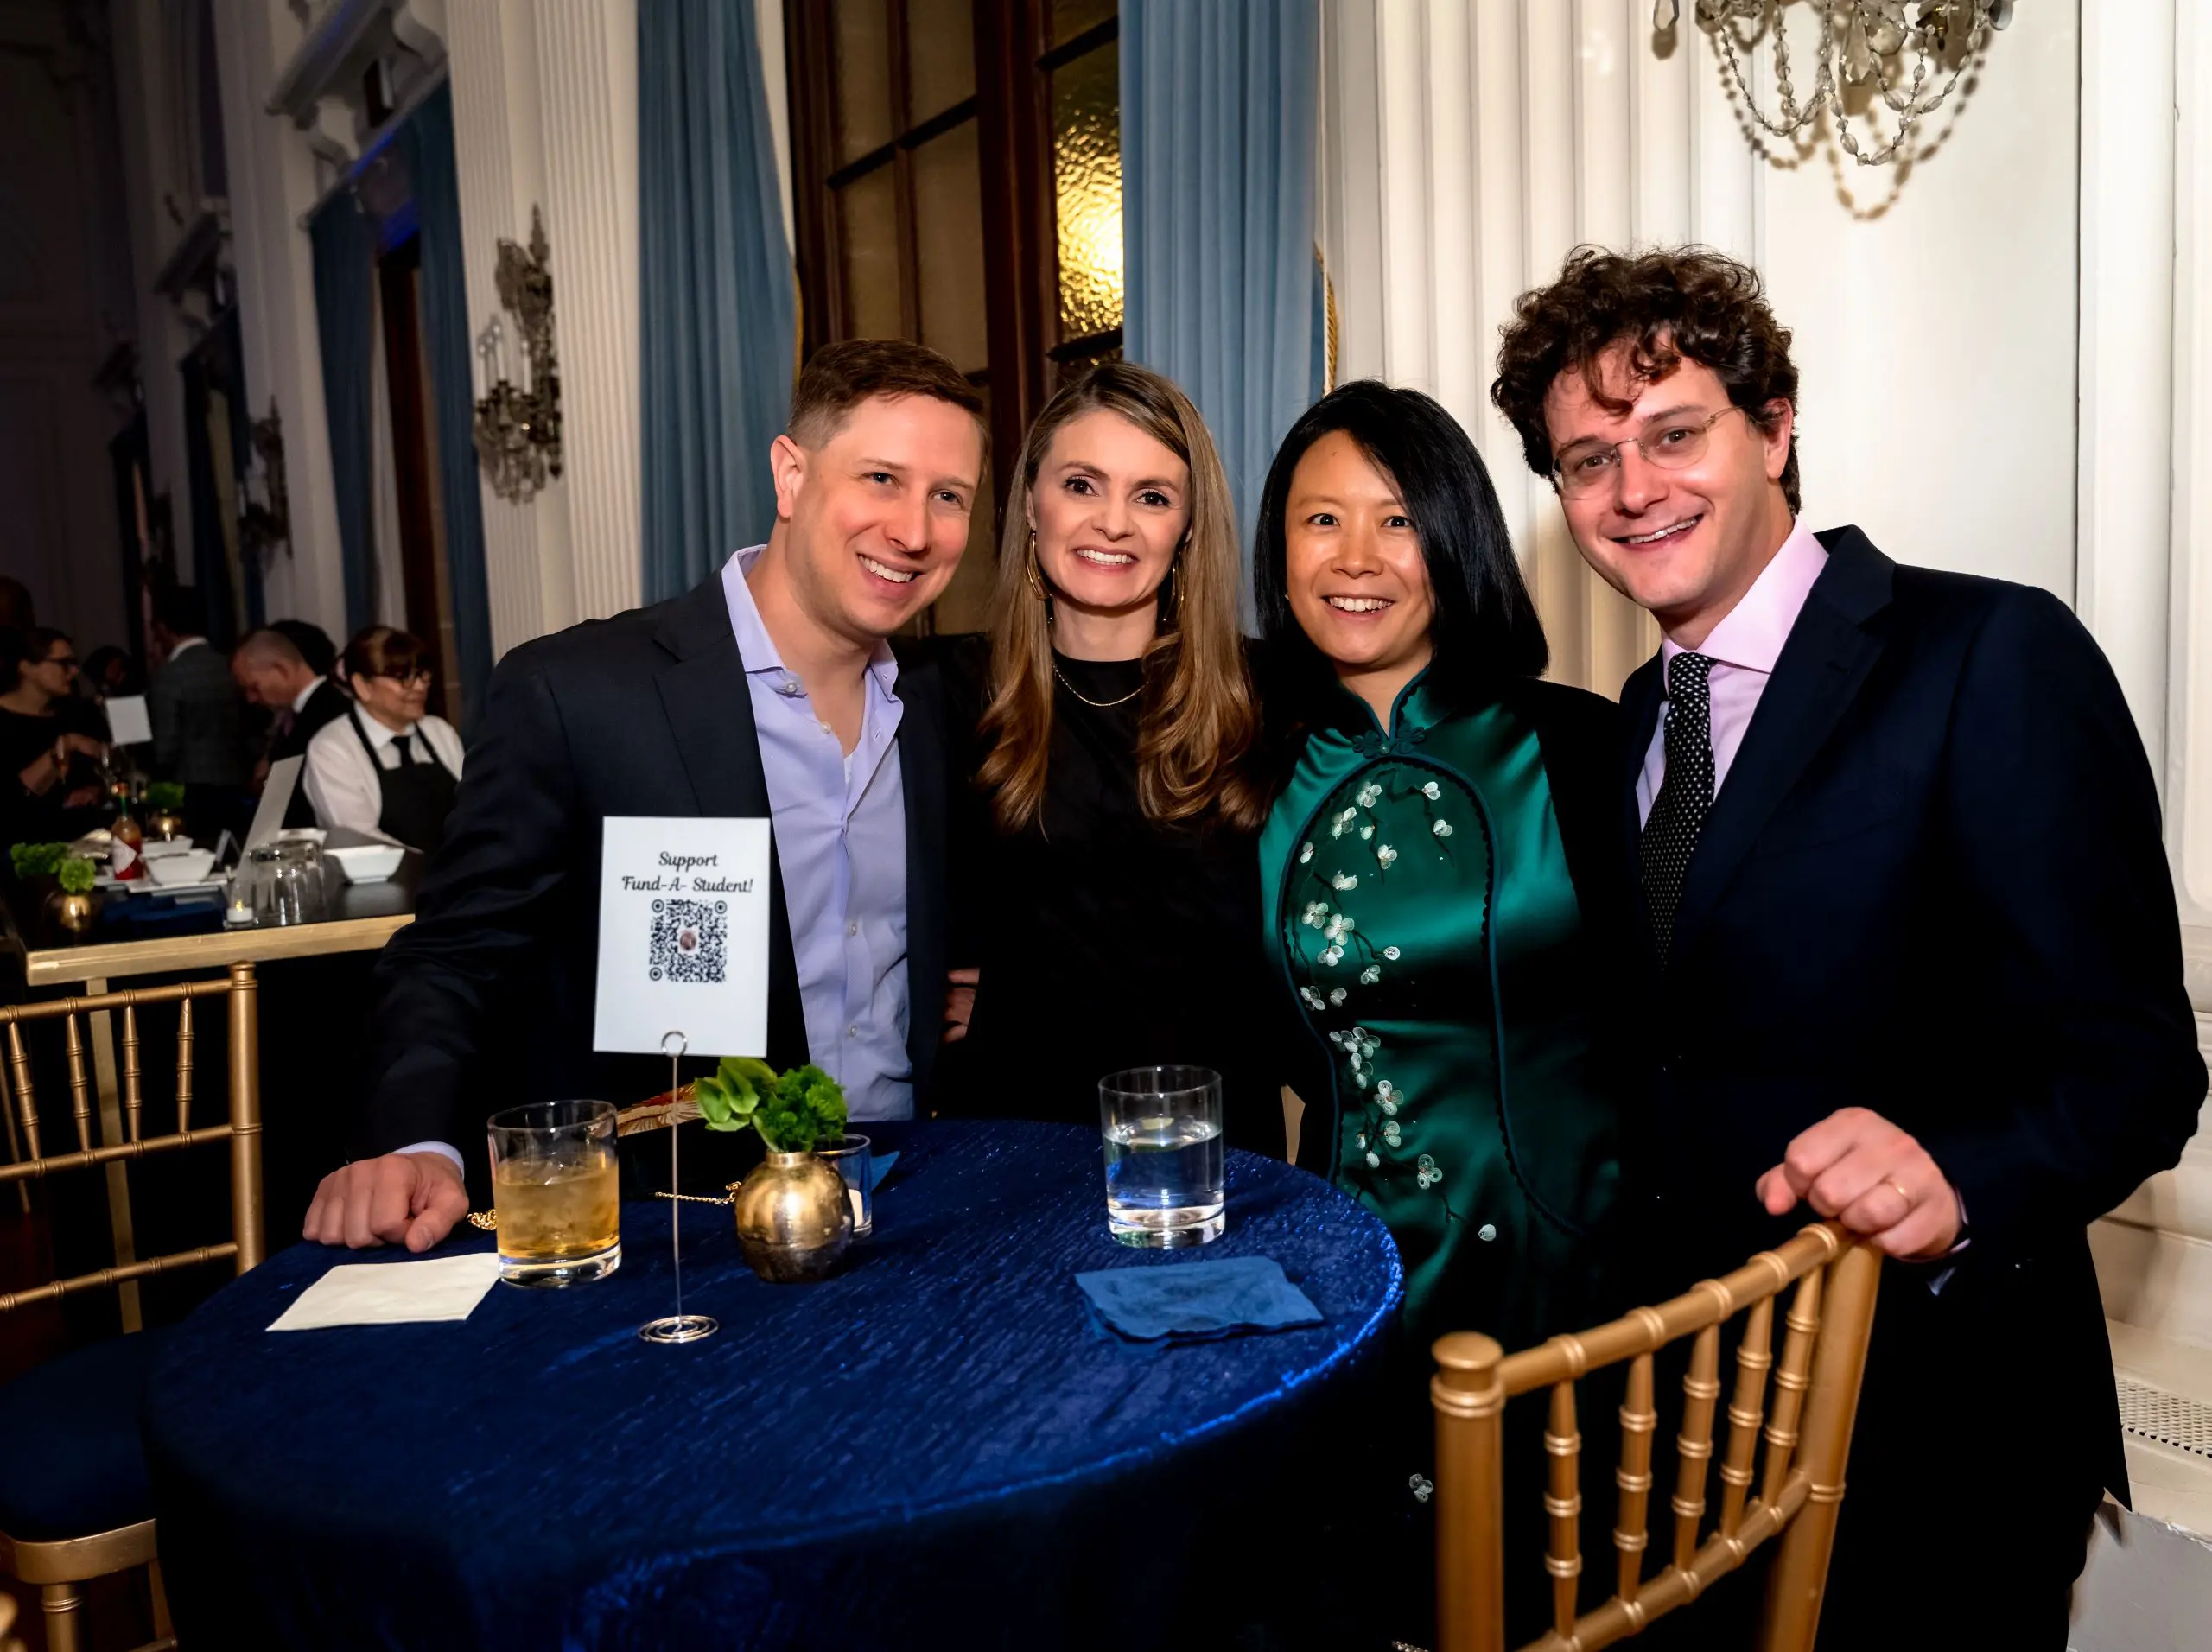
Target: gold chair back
(1795, 1492)
(241, 1129)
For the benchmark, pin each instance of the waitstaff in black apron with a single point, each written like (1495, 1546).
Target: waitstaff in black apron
(389, 766)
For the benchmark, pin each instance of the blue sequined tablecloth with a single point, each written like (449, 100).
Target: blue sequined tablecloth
(936, 1447)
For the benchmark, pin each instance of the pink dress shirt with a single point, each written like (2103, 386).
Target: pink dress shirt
(1744, 647)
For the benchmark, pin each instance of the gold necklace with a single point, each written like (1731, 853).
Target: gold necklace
(1096, 705)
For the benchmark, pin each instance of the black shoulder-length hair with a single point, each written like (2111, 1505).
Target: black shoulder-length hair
(1485, 625)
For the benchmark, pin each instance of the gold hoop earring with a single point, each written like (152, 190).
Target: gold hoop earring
(1038, 589)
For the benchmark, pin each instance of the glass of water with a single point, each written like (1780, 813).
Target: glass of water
(1162, 1126)
(853, 1158)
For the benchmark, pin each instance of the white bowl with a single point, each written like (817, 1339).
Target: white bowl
(157, 848)
(191, 866)
(308, 834)
(366, 862)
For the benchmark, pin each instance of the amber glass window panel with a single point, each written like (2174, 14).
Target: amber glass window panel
(1069, 18)
(1087, 190)
(868, 234)
(865, 117)
(940, 56)
(948, 247)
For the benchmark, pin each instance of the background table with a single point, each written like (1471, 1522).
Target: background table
(936, 1447)
(363, 916)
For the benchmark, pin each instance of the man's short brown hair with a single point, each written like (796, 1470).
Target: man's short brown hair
(839, 377)
(1666, 305)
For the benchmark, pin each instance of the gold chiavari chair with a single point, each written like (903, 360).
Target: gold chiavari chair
(1795, 1494)
(46, 1506)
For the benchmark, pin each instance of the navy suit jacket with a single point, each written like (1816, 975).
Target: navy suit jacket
(1933, 884)
(487, 999)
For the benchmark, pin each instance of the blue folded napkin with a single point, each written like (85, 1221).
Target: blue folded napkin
(878, 1167)
(1194, 1301)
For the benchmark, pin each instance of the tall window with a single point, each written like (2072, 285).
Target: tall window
(958, 171)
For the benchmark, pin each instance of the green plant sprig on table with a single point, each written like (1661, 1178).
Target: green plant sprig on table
(37, 860)
(167, 795)
(796, 1111)
(76, 875)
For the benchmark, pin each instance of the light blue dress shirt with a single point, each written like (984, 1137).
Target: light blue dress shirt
(840, 824)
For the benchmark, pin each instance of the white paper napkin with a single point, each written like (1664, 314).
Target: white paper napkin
(393, 1293)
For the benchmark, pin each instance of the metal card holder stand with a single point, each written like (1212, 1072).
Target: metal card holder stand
(677, 1327)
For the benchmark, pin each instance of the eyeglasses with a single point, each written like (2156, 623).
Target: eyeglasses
(66, 661)
(409, 679)
(1675, 443)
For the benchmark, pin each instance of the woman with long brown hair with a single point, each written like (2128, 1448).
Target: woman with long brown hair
(1106, 879)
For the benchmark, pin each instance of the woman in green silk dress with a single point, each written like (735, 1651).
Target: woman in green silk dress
(1445, 880)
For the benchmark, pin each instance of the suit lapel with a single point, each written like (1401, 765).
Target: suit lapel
(709, 704)
(1823, 665)
(922, 781)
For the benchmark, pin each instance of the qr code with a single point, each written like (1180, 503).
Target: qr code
(690, 940)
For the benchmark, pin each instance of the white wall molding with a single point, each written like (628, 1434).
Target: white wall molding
(2188, 637)
(545, 115)
(2124, 522)
(273, 180)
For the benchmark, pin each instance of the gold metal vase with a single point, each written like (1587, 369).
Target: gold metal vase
(793, 1218)
(74, 913)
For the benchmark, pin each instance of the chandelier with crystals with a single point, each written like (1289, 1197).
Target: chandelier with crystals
(1896, 46)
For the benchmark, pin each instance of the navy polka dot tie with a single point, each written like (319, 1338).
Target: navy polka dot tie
(1685, 795)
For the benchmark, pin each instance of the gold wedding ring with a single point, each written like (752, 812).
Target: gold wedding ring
(1902, 1192)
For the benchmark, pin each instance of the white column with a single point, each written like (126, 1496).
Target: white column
(151, 169)
(545, 116)
(272, 183)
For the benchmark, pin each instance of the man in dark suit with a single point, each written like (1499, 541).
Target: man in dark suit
(198, 719)
(770, 690)
(1915, 958)
(272, 673)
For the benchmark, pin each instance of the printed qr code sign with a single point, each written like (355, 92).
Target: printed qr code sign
(689, 941)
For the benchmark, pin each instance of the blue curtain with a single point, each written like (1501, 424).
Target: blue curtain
(716, 279)
(345, 240)
(425, 142)
(1219, 105)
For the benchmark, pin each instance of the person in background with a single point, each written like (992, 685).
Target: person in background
(313, 642)
(1444, 874)
(199, 720)
(110, 672)
(50, 788)
(301, 702)
(1911, 960)
(1106, 846)
(16, 610)
(385, 764)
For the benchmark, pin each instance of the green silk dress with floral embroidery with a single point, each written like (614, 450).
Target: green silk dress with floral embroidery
(1421, 903)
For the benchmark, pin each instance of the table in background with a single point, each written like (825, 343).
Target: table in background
(363, 916)
(935, 1447)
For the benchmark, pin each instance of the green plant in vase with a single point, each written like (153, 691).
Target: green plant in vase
(37, 860)
(166, 795)
(794, 1220)
(76, 875)
(72, 903)
(795, 1111)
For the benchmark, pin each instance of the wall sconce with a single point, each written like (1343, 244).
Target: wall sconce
(519, 431)
(264, 500)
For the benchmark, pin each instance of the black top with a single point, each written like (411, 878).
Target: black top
(26, 818)
(1105, 940)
